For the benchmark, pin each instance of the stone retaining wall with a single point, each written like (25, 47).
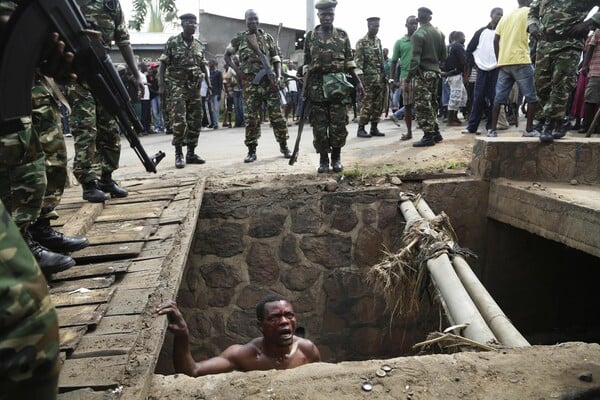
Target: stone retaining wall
(314, 245)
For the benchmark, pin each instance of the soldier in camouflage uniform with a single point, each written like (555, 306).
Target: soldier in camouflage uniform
(255, 94)
(182, 68)
(29, 364)
(23, 177)
(429, 48)
(560, 29)
(46, 122)
(97, 141)
(327, 50)
(369, 58)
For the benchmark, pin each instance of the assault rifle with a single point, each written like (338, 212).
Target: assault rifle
(304, 112)
(266, 70)
(20, 51)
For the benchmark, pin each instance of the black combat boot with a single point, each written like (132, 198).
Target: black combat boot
(362, 132)
(562, 127)
(179, 157)
(92, 194)
(107, 185)
(437, 136)
(426, 140)
(49, 261)
(546, 134)
(251, 156)
(374, 131)
(323, 163)
(44, 234)
(336, 162)
(283, 148)
(193, 158)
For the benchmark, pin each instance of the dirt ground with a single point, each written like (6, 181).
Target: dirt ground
(564, 371)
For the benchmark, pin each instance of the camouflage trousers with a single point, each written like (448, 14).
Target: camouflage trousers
(555, 78)
(95, 133)
(372, 102)
(328, 121)
(29, 346)
(254, 98)
(185, 119)
(46, 122)
(22, 172)
(164, 106)
(426, 100)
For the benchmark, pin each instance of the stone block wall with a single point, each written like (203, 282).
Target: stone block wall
(528, 159)
(313, 244)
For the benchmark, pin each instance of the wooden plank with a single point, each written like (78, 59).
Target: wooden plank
(176, 212)
(82, 298)
(79, 223)
(70, 337)
(142, 198)
(153, 264)
(104, 252)
(140, 280)
(85, 394)
(105, 345)
(80, 315)
(89, 270)
(129, 301)
(122, 231)
(128, 212)
(107, 372)
(100, 282)
(165, 232)
(117, 324)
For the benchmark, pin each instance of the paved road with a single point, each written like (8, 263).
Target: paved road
(224, 151)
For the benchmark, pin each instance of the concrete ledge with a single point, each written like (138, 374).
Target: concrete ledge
(568, 214)
(527, 159)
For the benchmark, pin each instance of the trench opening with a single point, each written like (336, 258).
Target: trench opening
(315, 247)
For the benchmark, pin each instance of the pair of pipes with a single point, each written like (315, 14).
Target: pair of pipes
(465, 299)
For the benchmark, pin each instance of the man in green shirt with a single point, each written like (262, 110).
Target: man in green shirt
(403, 52)
(429, 48)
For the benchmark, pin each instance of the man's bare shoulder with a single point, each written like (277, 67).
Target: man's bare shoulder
(309, 349)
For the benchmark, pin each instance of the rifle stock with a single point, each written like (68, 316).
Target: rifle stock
(20, 52)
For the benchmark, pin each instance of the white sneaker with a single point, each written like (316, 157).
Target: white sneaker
(491, 133)
(532, 133)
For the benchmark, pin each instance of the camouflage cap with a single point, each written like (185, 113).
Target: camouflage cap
(323, 4)
(186, 17)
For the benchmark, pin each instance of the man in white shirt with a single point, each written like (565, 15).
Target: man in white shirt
(480, 52)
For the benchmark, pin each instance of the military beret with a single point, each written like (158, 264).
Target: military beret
(185, 17)
(371, 19)
(322, 4)
(425, 10)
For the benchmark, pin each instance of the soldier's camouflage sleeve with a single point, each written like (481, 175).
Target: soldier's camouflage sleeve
(29, 344)
(121, 35)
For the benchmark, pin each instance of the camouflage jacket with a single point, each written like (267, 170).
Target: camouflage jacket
(325, 56)
(250, 63)
(107, 17)
(369, 58)
(184, 64)
(331, 55)
(554, 17)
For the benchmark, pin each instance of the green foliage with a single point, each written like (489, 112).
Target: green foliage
(160, 11)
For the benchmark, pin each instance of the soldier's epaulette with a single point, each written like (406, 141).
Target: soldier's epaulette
(341, 32)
